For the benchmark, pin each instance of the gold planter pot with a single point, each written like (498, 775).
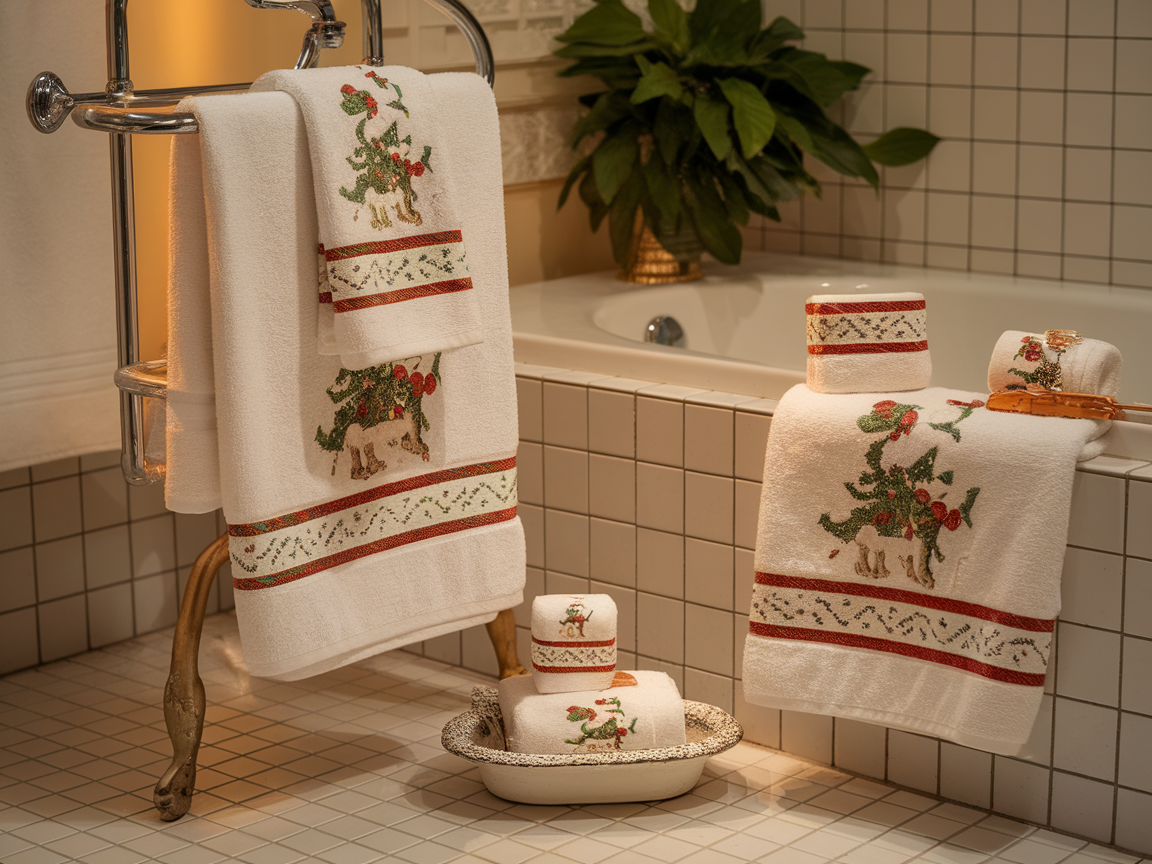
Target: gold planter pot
(651, 264)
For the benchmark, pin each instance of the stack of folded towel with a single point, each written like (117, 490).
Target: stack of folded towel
(360, 436)
(575, 701)
(909, 554)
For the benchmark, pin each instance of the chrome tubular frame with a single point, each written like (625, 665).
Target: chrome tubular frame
(118, 111)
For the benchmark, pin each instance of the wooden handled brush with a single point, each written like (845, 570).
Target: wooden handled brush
(1053, 403)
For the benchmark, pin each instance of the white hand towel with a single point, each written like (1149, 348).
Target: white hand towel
(643, 716)
(573, 642)
(413, 532)
(390, 203)
(1090, 367)
(908, 562)
(867, 343)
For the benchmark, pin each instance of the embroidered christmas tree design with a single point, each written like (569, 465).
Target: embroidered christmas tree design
(611, 730)
(1047, 374)
(379, 407)
(899, 506)
(382, 161)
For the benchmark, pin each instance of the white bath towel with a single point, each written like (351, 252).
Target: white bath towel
(867, 343)
(1090, 367)
(369, 508)
(573, 642)
(390, 199)
(908, 562)
(640, 716)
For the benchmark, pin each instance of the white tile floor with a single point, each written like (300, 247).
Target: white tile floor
(347, 768)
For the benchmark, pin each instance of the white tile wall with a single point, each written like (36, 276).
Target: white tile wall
(1046, 164)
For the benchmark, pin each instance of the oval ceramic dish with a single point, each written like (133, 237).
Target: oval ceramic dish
(587, 778)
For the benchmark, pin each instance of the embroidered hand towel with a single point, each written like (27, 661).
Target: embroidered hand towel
(1022, 358)
(399, 281)
(867, 343)
(641, 717)
(367, 508)
(573, 642)
(908, 562)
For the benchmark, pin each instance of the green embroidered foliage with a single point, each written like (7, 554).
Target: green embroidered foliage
(382, 168)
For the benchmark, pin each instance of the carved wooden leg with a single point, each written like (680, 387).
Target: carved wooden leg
(184, 692)
(502, 632)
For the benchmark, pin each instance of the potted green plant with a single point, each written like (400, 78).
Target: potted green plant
(706, 119)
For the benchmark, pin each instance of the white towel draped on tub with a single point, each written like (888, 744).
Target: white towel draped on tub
(908, 562)
(367, 508)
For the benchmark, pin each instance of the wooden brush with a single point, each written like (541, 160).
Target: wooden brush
(1053, 403)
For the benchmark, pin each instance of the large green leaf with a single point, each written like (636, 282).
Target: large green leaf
(734, 200)
(659, 79)
(663, 190)
(720, 237)
(839, 150)
(901, 146)
(672, 23)
(774, 36)
(622, 217)
(672, 128)
(582, 49)
(827, 80)
(795, 130)
(753, 117)
(708, 15)
(573, 176)
(609, 108)
(609, 22)
(712, 118)
(616, 72)
(726, 43)
(613, 161)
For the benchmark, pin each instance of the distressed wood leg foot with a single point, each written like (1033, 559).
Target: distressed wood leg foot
(184, 692)
(502, 632)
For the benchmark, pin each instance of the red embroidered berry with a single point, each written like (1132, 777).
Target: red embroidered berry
(397, 411)
(923, 496)
(429, 384)
(891, 494)
(908, 533)
(399, 372)
(395, 157)
(621, 732)
(348, 89)
(833, 553)
(417, 380)
(419, 169)
(909, 418)
(940, 510)
(953, 520)
(1026, 339)
(601, 701)
(884, 409)
(881, 518)
(370, 75)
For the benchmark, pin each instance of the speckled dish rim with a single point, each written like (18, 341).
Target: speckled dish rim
(460, 732)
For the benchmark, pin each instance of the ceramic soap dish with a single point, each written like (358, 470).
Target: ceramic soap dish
(587, 778)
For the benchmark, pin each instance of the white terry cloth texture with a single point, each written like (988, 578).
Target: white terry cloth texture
(867, 343)
(1089, 367)
(643, 716)
(573, 642)
(353, 530)
(390, 202)
(908, 562)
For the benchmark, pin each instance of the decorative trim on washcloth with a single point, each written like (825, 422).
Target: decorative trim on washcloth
(289, 547)
(979, 639)
(894, 326)
(561, 657)
(381, 272)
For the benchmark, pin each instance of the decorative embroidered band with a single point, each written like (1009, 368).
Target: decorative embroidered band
(978, 639)
(867, 328)
(295, 545)
(392, 271)
(559, 657)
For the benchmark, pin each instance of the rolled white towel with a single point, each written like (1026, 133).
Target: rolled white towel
(1089, 367)
(867, 343)
(643, 713)
(573, 642)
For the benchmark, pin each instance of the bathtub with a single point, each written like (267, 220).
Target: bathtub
(745, 326)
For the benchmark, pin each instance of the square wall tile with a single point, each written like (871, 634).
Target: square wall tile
(807, 735)
(1133, 179)
(612, 487)
(913, 761)
(997, 61)
(155, 599)
(1089, 119)
(1038, 226)
(56, 508)
(708, 639)
(1133, 65)
(1038, 747)
(907, 57)
(532, 518)
(700, 686)
(950, 111)
(761, 725)
(533, 588)
(708, 503)
(530, 409)
(660, 562)
(15, 517)
(1087, 229)
(1089, 664)
(1136, 751)
(861, 747)
(19, 645)
(1139, 517)
(18, 578)
(708, 574)
(660, 431)
(1082, 806)
(1085, 739)
(153, 546)
(60, 568)
(530, 473)
(1133, 121)
(994, 114)
(747, 513)
(195, 532)
(55, 469)
(1097, 519)
(105, 497)
(660, 627)
(566, 415)
(562, 583)
(566, 542)
(625, 600)
(1087, 174)
(1091, 588)
(612, 423)
(146, 501)
(107, 556)
(751, 442)
(965, 774)
(566, 479)
(613, 552)
(63, 628)
(708, 439)
(993, 221)
(1136, 685)
(1133, 819)
(1041, 117)
(1020, 790)
(14, 477)
(660, 497)
(997, 16)
(1130, 229)
(110, 615)
(950, 59)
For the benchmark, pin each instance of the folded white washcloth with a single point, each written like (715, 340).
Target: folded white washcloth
(867, 343)
(390, 204)
(367, 509)
(1089, 367)
(573, 642)
(908, 562)
(643, 715)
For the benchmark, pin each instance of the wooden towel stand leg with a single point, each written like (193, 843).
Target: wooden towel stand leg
(184, 693)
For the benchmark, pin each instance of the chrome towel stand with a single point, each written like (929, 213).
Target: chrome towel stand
(122, 111)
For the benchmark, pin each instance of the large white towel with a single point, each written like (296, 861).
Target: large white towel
(369, 508)
(397, 278)
(1089, 367)
(908, 562)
